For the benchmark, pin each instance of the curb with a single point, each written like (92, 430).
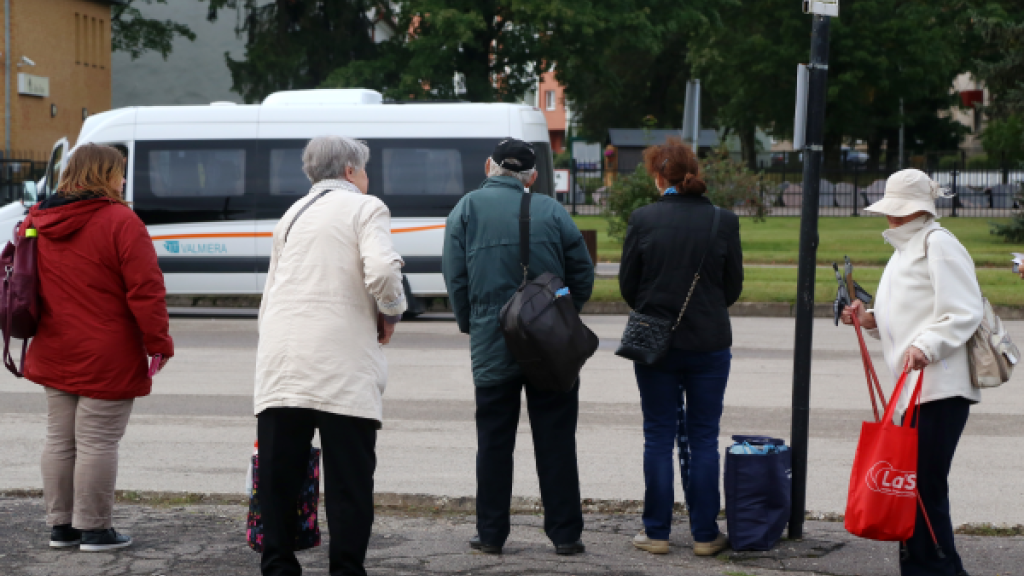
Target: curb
(738, 310)
(390, 501)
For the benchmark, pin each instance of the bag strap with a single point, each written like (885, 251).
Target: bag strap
(301, 211)
(696, 276)
(524, 234)
(8, 359)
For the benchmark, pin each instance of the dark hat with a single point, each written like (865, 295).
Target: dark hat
(514, 155)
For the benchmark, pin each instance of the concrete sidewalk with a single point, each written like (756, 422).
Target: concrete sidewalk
(203, 540)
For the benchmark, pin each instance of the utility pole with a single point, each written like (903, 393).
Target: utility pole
(817, 72)
(902, 122)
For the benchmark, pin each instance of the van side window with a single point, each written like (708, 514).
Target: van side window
(177, 173)
(286, 175)
(182, 181)
(418, 171)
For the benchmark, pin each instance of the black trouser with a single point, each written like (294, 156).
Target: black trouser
(553, 421)
(349, 460)
(939, 430)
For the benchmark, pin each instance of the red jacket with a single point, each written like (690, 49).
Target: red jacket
(103, 307)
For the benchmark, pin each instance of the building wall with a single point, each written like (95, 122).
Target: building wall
(69, 41)
(556, 115)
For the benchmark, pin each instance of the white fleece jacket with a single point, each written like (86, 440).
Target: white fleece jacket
(932, 302)
(318, 321)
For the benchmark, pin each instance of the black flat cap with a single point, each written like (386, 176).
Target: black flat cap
(514, 155)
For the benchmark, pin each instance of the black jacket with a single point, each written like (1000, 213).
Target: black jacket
(664, 245)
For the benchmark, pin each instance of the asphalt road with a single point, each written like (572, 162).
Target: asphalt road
(196, 431)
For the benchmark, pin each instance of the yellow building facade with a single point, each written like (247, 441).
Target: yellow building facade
(56, 56)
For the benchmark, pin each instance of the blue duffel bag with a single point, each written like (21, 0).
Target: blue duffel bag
(758, 491)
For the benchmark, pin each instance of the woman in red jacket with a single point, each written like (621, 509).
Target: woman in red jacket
(102, 314)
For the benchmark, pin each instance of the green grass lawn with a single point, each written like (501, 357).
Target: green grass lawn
(779, 285)
(776, 240)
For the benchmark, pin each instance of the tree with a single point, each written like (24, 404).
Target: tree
(747, 68)
(296, 44)
(881, 51)
(131, 32)
(623, 60)
(494, 48)
(1000, 62)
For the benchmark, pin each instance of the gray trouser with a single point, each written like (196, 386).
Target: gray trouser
(80, 458)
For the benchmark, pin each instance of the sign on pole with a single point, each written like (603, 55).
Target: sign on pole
(691, 114)
(800, 121)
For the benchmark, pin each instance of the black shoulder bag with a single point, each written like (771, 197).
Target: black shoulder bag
(542, 329)
(647, 339)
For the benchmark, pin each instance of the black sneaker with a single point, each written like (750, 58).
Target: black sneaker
(64, 536)
(102, 540)
(476, 544)
(570, 549)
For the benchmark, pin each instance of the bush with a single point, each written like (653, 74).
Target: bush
(730, 185)
(1004, 140)
(1011, 232)
(982, 162)
(948, 162)
(563, 159)
(627, 194)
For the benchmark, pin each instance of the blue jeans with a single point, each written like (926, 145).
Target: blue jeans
(682, 398)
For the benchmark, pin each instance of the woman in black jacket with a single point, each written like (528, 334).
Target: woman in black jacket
(682, 395)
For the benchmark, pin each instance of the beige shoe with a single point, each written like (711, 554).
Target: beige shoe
(711, 548)
(644, 543)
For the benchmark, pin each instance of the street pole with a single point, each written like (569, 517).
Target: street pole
(818, 72)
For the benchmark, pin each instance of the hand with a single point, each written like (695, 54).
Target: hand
(385, 329)
(867, 319)
(914, 359)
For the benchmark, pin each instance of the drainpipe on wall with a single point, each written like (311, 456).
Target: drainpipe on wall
(7, 78)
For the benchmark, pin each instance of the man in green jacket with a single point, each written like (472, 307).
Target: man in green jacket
(482, 271)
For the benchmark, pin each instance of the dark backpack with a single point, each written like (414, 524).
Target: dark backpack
(19, 296)
(542, 329)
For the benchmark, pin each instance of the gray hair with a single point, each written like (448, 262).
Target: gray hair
(326, 157)
(523, 177)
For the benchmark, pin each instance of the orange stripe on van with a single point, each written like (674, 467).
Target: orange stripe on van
(271, 234)
(220, 235)
(417, 228)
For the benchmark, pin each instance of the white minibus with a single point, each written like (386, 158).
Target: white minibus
(211, 182)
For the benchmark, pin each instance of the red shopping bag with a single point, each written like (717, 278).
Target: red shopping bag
(882, 503)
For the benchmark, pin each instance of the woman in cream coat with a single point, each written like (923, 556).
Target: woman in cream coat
(928, 305)
(333, 295)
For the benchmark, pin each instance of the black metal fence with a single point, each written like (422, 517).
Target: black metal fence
(13, 174)
(845, 190)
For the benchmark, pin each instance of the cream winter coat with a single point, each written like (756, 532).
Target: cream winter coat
(932, 302)
(318, 321)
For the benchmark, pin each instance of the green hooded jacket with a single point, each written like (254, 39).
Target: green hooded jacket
(482, 271)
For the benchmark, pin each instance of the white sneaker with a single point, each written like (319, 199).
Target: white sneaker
(711, 548)
(646, 544)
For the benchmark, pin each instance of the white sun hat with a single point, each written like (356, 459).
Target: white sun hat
(909, 191)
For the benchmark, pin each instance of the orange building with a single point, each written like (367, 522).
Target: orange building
(551, 100)
(57, 61)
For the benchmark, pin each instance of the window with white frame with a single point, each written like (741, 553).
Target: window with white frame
(549, 99)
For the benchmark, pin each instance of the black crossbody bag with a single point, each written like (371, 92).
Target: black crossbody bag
(647, 339)
(543, 330)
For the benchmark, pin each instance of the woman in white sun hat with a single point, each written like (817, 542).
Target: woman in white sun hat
(928, 306)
